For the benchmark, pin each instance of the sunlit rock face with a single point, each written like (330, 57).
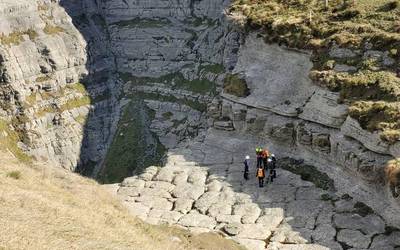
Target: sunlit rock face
(302, 120)
(106, 87)
(69, 69)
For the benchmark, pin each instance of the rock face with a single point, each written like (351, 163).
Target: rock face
(305, 121)
(44, 61)
(68, 69)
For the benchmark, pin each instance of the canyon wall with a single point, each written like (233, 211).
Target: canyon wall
(71, 69)
(86, 83)
(299, 119)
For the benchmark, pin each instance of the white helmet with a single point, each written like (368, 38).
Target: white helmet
(272, 155)
(247, 157)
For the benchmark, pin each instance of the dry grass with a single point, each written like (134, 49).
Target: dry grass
(52, 30)
(358, 25)
(76, 102)
(49, 208)
(43, 78)
(302, 23)
(16, 37)
(9, 139)
(381, 116)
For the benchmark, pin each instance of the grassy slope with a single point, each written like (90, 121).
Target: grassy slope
(373, 90)
(48, 208)
(131, 151)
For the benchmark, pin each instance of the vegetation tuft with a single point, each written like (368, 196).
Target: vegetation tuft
(14, 174)
(16, 37)
(363, 209)
(355, 26)
(176, 80)
(9, 139)
(234, 85)
(307, 173)
(130, 151)
(52, 30)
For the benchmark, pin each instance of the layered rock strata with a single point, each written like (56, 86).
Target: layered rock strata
(286, 111)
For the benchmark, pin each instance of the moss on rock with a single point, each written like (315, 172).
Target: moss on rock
(235, 85)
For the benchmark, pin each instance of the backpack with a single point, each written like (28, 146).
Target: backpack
(260, 172)
(265, 153)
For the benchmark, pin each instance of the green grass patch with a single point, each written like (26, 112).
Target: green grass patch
(143, 23)
(14, 175)
(175, 81)
(202, 107)
(212, 68)
(78, 87)
(75, 103)
(303, 23)
(81, 119)
(9, 139)
(134, 146)
(366, 85)
(357, 25)
(380, 115)
(307, 173)
(235, 85)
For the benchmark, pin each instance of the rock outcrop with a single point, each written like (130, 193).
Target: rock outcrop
(306, 121)
(70, 67)
(71, 71)
(43, 59)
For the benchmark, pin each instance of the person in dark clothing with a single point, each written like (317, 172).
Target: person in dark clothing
(260, 175)
(264, 156)
(246, 168)
(273, 165)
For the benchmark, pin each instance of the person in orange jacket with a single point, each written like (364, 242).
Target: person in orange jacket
(260, 175)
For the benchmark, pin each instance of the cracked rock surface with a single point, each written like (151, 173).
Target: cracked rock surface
(201, 188)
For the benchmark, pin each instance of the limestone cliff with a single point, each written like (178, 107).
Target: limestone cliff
(297, 118)
(70, 67)
(73, 74)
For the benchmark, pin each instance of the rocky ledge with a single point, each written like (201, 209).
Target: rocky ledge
(201, 188)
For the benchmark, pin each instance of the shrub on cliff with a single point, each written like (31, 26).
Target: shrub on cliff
(235, 85)
(366, 37)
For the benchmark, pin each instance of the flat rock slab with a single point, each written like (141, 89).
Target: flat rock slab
(324, 108)
(353, 238)
(197, 220)
(278, 78)
(288, 214)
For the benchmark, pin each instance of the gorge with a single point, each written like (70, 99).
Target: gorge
(113, 88)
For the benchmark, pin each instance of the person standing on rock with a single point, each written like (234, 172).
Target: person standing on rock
(264, 157)
(260, 175)
(246, 167)
(273, 166)
(259, 157)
